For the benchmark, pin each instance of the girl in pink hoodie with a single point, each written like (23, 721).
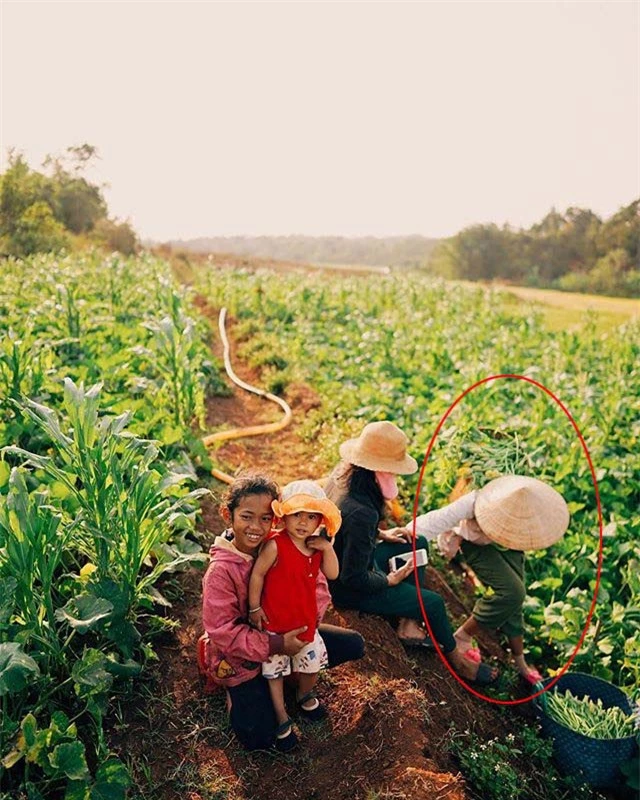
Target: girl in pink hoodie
(234, 651)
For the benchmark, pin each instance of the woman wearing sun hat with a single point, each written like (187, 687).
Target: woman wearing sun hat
(493, 526)
(359, 486)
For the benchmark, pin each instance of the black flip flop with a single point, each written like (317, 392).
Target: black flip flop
(483, 676)
(315, 714)
(425, 644)
(287, 743)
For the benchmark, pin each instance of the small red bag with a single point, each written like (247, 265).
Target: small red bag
(209, 686)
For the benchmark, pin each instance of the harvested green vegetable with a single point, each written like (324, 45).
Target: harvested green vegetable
(588, 717)
(487, 453)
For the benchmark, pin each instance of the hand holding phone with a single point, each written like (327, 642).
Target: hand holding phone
(398, 575)
(396, 562)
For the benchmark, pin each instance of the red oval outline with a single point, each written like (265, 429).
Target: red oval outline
(600, 548)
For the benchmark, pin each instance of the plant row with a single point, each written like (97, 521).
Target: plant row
(103, 376)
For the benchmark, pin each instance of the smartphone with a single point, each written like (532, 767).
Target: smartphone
(395, 562)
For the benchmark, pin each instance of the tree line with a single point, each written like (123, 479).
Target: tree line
(576, 251)
(56, 208)
(572, 251)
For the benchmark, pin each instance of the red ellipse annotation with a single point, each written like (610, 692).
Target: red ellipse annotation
(599, 568)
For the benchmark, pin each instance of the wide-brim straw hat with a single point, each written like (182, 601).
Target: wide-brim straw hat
(308, 496)
(521, 513)
(381, 447)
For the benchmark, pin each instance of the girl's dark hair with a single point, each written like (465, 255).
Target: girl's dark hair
(363, 481)
(249, 484)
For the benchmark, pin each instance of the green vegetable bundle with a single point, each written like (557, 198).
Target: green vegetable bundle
(487, 453)
(588, 717)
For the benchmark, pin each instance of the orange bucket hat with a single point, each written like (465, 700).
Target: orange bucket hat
(308, 496)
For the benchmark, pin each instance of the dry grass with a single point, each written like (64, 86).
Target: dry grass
(570, 311)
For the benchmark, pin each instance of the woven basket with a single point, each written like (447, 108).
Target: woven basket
(595, 761)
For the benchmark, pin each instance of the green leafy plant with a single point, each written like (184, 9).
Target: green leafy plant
(178, 361)
(514, 767)
(127, 515)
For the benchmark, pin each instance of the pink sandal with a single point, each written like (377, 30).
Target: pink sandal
(532, 676)
(473, 654)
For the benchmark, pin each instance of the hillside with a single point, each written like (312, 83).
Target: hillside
(401, 251)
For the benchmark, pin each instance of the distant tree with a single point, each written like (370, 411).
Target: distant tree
(579, 236)
(612, 275)
(479, 252)
(575, 251)
(444, 261)
(38, 210)
(621, 230)
(20, 188)
(79, 204)
(35, 231)
(118, 236)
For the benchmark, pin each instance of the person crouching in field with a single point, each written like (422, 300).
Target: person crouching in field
(231, 651)
(282, 595)
(493, 527)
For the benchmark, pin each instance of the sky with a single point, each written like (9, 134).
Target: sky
(334, 118)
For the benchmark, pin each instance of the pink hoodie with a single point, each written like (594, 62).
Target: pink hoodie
(235, 650)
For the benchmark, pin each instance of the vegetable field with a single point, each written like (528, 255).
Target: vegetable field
(105, 368)
(404, 347)
(102, 381)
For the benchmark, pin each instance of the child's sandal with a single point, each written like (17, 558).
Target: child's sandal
(532, 676)
(470, 652)
(284, 744)
(526, 672)
(473, 654)
(311, 714)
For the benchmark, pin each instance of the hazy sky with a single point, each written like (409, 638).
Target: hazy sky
(331, 118)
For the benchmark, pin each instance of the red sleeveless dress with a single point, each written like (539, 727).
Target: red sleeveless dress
(289, 591)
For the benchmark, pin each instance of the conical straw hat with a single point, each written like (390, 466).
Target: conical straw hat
(381, 447)
(521, 513)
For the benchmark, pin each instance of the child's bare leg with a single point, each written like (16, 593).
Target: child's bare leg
(528, 672)
(307, 682)
(276, 690)
(466, 633)
(516, 643)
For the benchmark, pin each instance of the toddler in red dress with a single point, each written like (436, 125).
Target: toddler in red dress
(282, 594)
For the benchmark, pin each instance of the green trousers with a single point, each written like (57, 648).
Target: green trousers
(503, 571)
(402, 600)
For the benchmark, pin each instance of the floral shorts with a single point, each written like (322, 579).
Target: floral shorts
(312, 658)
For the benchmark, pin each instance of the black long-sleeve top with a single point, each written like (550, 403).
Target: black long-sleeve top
(355, 544)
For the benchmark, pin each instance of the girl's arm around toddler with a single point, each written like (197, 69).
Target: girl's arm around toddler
(265, 560)
(222, 612)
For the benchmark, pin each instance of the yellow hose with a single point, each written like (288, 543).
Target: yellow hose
(395, 508)
(252, 430)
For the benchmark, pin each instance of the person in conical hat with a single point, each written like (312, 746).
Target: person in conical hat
(359, 486)
(494, 527)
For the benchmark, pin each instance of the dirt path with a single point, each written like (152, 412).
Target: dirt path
(391, 714)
